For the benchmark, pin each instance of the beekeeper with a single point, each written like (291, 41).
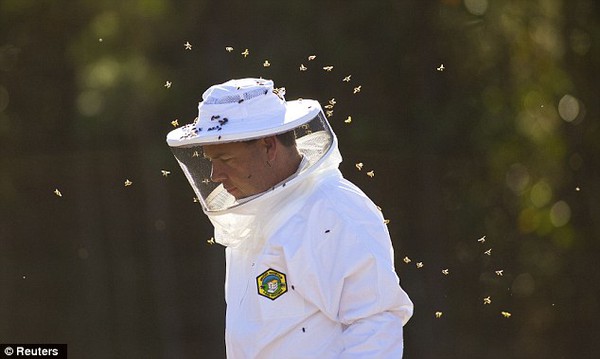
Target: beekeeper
(309, 261)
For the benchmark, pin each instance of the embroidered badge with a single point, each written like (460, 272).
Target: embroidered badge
(271, 284)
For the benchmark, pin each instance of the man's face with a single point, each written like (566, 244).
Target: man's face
(240, 166)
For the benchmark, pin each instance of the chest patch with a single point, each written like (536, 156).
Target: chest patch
(271, 284)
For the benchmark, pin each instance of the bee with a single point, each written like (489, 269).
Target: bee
(445, 271)
(441, 68)
(228, 48)
(312, 57)
(371, 173)
(359, 166)
(175, 123)
(187, 45)
(500, 273)
(328, 68)
(506, 314)
(438, 314)
(406, 260)
(57, 192)
(357, 89)
(488, 252)
(487, 300)
(302, 67)
(165, 173)
(419, 264)
(347, 78)
(128, 183)
(246, 53)
(168, 84)
(348, 120)
(280, 92)
(266, 63)
(481, 240)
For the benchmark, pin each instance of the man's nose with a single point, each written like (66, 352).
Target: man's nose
(216, 173)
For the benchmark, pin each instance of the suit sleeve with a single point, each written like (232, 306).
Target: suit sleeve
(373, 308)
(350, 276)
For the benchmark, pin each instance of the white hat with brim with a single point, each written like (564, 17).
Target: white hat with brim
(240, 110)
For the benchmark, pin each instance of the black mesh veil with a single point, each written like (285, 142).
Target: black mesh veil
(314, 139)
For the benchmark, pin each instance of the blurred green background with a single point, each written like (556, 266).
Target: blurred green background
(502, 141)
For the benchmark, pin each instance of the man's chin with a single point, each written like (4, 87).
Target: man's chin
(239, 194)
(235, 192)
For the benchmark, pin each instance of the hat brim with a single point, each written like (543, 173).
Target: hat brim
(297, 112)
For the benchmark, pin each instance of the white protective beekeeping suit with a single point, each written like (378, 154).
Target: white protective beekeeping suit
(309, 263)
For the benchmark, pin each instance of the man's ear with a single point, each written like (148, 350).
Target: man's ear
(270, 145)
